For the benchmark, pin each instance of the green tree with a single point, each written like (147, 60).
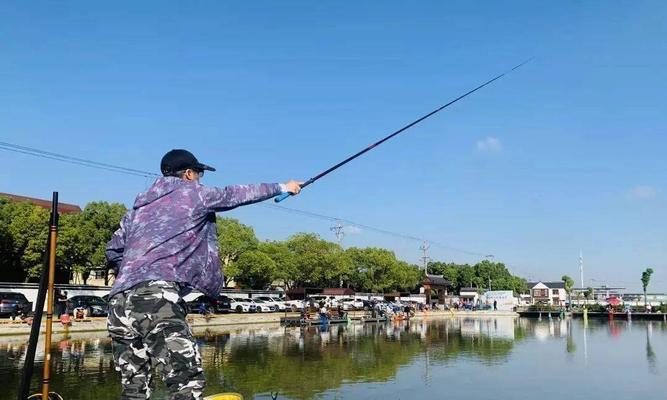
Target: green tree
(83, 237)
(569, 284)
(234, 239)
(466, 276)
(11, 269)
(74, 250)
(449, 271)
(588, 294)
(99, 221)
(646, 278)
(255, 270)
(375, 269)
(484, 274)
(284, 260)
(27, 225)
(317, 261)
(406, 276)
(519, 285)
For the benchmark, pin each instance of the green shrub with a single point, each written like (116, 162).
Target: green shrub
(597, 308)
(542, 307)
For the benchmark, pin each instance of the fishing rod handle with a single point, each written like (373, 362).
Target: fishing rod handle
(282, 197)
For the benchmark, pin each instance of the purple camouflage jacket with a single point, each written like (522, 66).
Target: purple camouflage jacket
(170, 233)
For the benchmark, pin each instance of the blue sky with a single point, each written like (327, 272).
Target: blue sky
(564, 154)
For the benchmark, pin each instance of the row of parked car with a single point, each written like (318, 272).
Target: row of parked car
(16, 304)
(273, 304)
(12, 303)
(225, 304)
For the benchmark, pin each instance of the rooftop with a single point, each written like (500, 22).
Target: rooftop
(550, 285)
(63, 208)
(436, 280)
(338, 291)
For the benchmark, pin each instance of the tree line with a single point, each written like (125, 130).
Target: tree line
(81, 241)
(302, 260)
(485, 275)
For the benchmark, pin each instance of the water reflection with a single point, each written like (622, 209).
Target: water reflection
(650, 354)
(571, 346)
(302, 363)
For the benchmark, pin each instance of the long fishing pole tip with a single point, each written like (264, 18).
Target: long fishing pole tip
(523, 63)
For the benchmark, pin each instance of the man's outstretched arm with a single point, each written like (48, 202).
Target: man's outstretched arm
(221, 199)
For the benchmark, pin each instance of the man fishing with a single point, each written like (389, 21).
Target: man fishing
(167, 246)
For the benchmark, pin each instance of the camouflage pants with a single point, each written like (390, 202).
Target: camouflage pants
(148, 329)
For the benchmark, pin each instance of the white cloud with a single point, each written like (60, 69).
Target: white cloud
(489, 145)
(353, 230)
(642, 192)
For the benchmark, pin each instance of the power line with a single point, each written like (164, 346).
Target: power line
(31, 151)
(73, 160)
(374, 229)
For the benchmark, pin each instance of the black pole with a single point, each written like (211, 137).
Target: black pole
(29, 364)
(406, 127)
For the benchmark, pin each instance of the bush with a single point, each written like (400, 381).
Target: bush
(597, 308)
(542, 307)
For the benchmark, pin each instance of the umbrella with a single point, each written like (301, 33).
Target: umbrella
(614, 301)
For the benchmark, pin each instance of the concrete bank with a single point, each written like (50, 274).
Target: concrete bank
(199, 323)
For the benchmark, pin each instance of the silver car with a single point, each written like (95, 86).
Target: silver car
(12, 303)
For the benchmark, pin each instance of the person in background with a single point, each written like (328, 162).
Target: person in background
(61, 302)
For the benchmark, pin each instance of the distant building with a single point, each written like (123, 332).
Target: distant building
(435, 288)
(599, 296)
(63, 208)
(637, 299)
(551, 293)
(469, 295)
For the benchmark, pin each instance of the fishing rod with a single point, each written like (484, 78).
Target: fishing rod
(46, 288)
(406, 127)
(53, 237)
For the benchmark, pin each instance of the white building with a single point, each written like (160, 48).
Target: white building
(551, 293)
(469, 295)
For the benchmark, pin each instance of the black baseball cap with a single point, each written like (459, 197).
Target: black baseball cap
(180, 160)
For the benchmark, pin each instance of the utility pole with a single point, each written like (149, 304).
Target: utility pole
(425, 258)
(340, 233)
(581, 267)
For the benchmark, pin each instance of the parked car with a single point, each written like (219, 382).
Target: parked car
(390, 306)
(329, 301)
(220, 305)
(294, 305)
(92, 306)
(367, 304)
(263, 306)
(12, 303)
(351, 304)
(272, 300)
(241, 305)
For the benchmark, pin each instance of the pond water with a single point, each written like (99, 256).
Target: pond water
(501, 358)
